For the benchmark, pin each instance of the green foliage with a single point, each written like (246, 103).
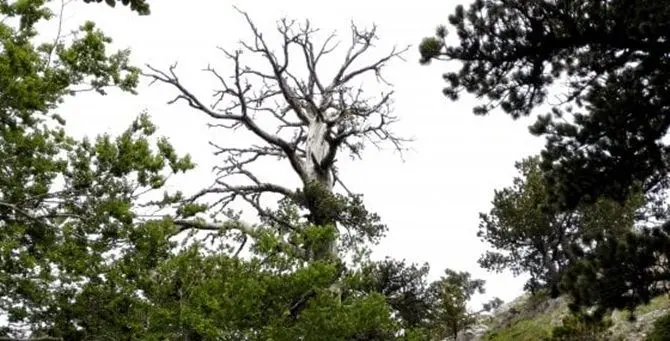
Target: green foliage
(601, 277)
(530, 235)
(314, 231)
(604, 138)
(84, 255)
(404, 286)
(139, 6)
(661, 330)
(230, 299)
(66, 204)
(326, 208)
(53, 234)
(577, 327)
(312, 224)
(449, 296)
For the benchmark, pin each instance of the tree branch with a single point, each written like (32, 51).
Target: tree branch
(185, 225)
(241, 104)
(312, 119)
(39, 338)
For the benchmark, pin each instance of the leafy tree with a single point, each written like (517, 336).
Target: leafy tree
(404, 286)
(580, 327)
(604, 135)
(529, 235)
(621, 272)
(65, 204)
(230, 298)
(316, 119)
(88, 250)
(449, 297)
(613, 55)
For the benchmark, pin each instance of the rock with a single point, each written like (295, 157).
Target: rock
(473, 333)
(637, 330)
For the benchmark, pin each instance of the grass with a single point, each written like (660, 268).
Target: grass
(539, 326)
(524, 330)
(661, 302)
(657, 303)
(529, 325)
(661, 329)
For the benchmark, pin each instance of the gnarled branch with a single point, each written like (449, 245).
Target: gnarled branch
(313, 119)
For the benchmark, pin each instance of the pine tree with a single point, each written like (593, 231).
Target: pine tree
(604, 133)
(529, 235)
(88, 248)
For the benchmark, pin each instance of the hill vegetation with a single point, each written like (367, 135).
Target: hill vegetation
(96, 243)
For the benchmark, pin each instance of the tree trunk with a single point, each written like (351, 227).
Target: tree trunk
(319, 171)
(317, 150)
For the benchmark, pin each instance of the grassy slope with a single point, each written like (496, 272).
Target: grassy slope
(532, 319)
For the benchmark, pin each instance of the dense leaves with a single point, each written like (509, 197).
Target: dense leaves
(404, 286)
(89, 247)
(66, 204)
(529, 235)
(614, 57)
(609, 62)
(139, 6)
(621, 272)
(449, 295)
(232, 299)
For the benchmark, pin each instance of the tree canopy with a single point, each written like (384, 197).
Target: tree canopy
(65, 203)
(529, 235)
(93, 245)
(608, 60)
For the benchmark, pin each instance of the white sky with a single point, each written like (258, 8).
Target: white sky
(430, 202)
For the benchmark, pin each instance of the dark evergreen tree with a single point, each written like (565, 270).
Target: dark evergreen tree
(87, 245)
(404, 286)
(604, 133)
(449, 296)
(529, 235)
(614, 57)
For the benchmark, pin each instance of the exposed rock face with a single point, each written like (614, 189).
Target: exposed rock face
(543, 312)
(473, 333)
(638, 329)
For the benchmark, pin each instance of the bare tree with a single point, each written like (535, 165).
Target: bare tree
(315, 118)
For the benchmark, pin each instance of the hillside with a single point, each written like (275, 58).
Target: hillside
(531, 318)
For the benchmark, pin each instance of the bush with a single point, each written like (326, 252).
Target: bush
(661, 330)
(581, 328)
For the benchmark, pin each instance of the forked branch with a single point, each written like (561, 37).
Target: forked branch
(303, 119)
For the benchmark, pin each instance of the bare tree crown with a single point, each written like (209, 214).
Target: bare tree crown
(315, 118)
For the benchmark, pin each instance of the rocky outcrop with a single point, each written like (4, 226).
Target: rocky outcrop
(639, 328)
(473, 333)
(527, 314)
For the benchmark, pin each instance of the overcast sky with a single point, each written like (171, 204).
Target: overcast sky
(430, 201)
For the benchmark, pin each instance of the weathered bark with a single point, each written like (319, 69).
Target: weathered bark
(318, 168)
(325, 118)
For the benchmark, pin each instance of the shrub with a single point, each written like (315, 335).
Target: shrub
(661, 329)
(581, 328)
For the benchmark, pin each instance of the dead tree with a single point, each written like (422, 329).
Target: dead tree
(315, 118)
